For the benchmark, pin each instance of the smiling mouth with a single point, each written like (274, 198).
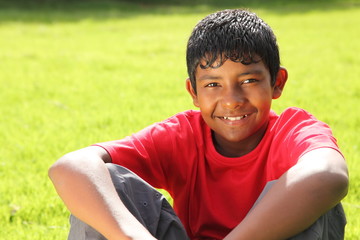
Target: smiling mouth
(234, 118)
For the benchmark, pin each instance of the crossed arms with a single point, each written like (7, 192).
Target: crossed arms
(306, 191)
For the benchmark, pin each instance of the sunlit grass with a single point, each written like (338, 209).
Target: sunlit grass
(68, 81)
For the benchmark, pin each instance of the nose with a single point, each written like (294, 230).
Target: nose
(233, 98)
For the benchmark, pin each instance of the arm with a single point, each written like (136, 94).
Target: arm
(84, 184)
(305, 192)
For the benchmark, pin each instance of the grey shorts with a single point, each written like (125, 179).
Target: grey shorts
(152, 210)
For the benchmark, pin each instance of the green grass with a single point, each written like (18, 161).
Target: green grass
(77, 73)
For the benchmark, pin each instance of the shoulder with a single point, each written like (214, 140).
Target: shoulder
(298, 124)
(302, 132)
(179, 124)
(295, 117)
(185, 116)
(294, 133)
(294, 114)
(186, 119)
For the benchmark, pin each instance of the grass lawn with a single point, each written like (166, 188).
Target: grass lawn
(82, 72)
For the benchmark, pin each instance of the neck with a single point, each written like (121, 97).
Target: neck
(238, 149)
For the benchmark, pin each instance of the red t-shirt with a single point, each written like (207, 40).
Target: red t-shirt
(212, 193)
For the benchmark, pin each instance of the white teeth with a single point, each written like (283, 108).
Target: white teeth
(235, 118)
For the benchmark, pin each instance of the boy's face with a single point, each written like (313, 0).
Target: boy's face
(235, 101)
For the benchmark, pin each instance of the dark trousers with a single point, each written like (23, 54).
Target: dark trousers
(152, 210)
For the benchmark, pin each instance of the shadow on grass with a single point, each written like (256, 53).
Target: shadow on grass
(49, 11)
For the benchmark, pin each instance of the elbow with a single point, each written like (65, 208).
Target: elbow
(341, 185)
(339, 177)
(63, 169)
(336, 184)
(77, 163)
(58, 170)
(328, 174)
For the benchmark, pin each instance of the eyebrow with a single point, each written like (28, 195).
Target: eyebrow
(214, 77)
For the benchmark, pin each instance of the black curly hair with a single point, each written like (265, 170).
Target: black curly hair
(236, 34)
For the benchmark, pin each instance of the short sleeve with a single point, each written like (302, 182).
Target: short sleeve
(297, 132)
(162, 153)
(144, 153)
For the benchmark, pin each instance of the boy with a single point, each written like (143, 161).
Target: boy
(235, 169)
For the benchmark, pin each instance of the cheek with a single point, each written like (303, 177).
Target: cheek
(262, 98)
(206, 99)
(207, 107)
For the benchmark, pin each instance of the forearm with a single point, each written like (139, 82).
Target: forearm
(296, 201)
(88, 192)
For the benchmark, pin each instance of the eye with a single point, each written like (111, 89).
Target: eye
(213, 84)
(249, 81)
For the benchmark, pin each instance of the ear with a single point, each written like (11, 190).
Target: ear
(281, 79)
(192, 92)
